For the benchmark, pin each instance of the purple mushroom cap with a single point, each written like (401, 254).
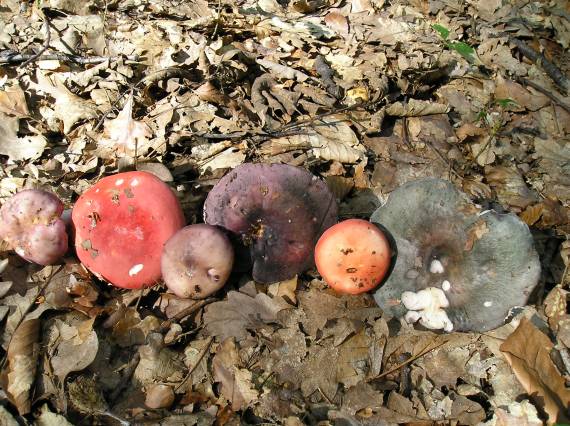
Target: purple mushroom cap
(279, 211)
(31, 223)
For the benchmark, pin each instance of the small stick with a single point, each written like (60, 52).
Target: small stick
(410, 360)
(44, 47)
(542, 90)
(27, 58)
(201, 355)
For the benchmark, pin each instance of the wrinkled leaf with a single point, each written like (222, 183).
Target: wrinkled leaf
(528, 352)
(22, 362)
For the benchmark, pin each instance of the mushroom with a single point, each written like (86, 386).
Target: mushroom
(278, 211)
(30, 222)
(353, 256)
(121, 225)
(197, 261)
(457, 268)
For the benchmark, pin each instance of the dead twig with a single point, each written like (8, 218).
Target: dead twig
(15, 58)
(552, 70)
(186, 312)
(542, 90)
(423, 352)
(47, 41)
(201, 355)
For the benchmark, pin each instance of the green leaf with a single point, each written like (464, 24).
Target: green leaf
(504, 103)
(464, 50)
(442, 31)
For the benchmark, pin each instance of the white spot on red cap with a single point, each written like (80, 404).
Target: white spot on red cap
(119, 182)
(134, 182)
(135, 269)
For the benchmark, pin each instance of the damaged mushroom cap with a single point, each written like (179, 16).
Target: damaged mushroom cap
(121, 225)
(279, 211)
(484, 262)
(31, 223)
(197, 261)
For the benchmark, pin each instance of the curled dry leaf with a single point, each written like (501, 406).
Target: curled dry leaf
(68, 107)
(330, 138)
(510, 187)
(236, 382)
(528, 352)
(22, 363)
(159, 396)
(125, 136)
(555, 306)
(415, 108)
(75, 347)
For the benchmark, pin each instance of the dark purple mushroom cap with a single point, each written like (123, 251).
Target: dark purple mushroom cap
(484, 262)
(279, 211)
(30, 222)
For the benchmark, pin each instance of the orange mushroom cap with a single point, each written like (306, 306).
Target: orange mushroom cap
(353, 256)
(121, 225)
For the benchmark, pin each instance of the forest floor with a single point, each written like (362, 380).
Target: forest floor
(368, 95)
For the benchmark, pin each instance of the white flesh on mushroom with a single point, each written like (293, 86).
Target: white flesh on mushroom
(427, 306)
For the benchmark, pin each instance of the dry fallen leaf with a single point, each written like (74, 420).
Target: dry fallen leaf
(22, 362)
(528, 352)
(13, 102)
(125, 136)
(237, 386)
(240, 313)
(75, 346)
(19, 148)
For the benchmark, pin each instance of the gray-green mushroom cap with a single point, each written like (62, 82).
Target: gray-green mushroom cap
(457, 268)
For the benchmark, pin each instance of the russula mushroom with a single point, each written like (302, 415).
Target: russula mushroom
(30, 222)
(197, 261)
(457, 268)
(121, 225)
(353, 256)
(279, 211)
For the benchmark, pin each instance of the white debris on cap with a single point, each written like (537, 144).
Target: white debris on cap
(135, 269)
(119, 182)
(427, 306)
(446, 285)
(436, 267)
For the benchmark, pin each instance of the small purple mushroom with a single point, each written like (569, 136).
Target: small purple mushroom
(197, 261)
(30, 222)
(279, 211)
(457, 268)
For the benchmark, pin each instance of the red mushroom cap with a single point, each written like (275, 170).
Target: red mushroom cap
(353, 256)
(121, 225)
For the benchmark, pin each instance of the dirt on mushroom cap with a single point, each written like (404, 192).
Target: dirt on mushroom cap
(488, 259)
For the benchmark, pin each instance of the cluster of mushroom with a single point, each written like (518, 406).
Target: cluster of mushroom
(441, 261)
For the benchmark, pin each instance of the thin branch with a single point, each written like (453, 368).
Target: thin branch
(201, 355)
(63, 57)
(549, 67)
(44, 47)
(409, 360)
(542, 90)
